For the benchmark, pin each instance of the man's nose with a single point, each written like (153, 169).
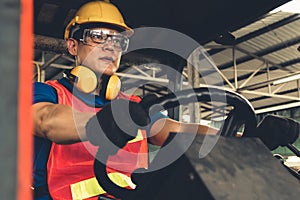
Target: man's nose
(109, 45)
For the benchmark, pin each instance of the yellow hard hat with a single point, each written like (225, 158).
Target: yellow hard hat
(98, 12)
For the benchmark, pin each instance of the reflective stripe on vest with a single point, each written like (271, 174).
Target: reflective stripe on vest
(90, 187)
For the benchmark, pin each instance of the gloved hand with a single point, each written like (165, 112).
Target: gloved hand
(277, 131)
(117, 123)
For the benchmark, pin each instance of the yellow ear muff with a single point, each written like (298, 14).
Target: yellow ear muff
(113, 87)
(84, 79)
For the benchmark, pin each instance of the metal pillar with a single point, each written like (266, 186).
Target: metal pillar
(9, 39)
(194, 81)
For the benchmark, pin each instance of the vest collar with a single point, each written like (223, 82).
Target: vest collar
(89, 99)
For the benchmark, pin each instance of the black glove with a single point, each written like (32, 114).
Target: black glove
(117, 123)
(277, 131)
(152, 104)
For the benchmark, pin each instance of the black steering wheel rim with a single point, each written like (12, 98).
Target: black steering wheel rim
(242, 107)
(243, 113)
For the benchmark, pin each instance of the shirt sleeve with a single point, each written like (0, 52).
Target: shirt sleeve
(156, 117)
(153, 119)
(44, 93)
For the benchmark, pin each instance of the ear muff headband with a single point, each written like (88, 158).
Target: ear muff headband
(86, 81)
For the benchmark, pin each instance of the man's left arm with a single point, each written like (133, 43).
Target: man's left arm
(161, 129)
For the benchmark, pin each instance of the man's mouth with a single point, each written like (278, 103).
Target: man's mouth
(107, 59)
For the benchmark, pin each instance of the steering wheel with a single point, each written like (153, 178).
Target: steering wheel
(242, 114)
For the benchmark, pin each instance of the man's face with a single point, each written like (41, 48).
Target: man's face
(99, 50)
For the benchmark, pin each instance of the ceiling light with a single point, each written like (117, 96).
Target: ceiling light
(287, 79)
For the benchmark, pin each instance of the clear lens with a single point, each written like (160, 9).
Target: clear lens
(119, 41)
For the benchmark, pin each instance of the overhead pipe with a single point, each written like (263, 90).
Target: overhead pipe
(51, 44)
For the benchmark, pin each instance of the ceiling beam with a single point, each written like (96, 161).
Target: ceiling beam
(269, 95)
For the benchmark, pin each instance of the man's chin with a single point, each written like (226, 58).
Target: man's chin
(107, 72)
(110, 70)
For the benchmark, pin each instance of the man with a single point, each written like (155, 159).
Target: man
(64, 109)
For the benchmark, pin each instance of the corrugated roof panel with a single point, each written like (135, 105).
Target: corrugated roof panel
(283, 55)
(250, 66)
(267, 20)
(261, 42)
(295, 68)
(290, 30)
(268, 102)
(222, 57)
(284, 34)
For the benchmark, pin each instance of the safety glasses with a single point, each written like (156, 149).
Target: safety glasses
(120, 42)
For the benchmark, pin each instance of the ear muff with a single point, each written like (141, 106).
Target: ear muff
(86, 81)
(83, 78)
(110, 86)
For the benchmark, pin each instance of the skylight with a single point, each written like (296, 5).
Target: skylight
(292, 7)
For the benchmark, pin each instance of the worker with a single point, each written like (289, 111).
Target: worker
(65, 112)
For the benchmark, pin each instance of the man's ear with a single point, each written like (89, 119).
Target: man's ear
(72, 46)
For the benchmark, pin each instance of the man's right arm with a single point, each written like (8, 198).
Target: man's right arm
(59, 123)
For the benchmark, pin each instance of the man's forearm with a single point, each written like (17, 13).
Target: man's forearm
(161, 129)
(59, 123)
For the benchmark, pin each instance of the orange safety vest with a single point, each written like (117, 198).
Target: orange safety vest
(70, 167)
